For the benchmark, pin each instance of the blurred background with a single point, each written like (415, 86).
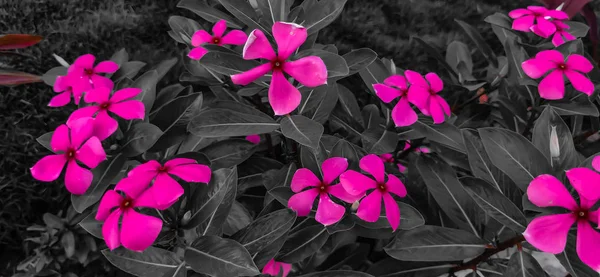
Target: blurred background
(74, 27)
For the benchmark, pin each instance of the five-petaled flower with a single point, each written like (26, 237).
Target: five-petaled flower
(85, 76)
(73, 143)
(393, 87)
(369, 208)
(552, 87)
(119, 103)
(273, 268)
(549, 233)
(536, 19)
(138, 231)
(309, 71)
(64, 87)
(561, 35)
(234, 37)
(328, 212)
(165, 189)
(424, 94)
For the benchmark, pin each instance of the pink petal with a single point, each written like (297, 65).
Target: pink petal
(97, 95)
(235, 37)
(85, 61)
(77, 178)
(253, 138)
(594, 216)
(101, 81)
(392, 211)
(110, 230)
(219, 28)
(194, 173)
(91, 153)
(557, 39)
(283, 96)
(586, 182)
(418, 96)
(596, 163)
(139, 231)
(302, 202)
(104, 125)
(179, 161)
(519, 13)
(61, 83)
(145, 169)
(374, 166)
(332, 168)
(273, 268)
(551, 55)
(60, 139)
(556, 14)
(397, 81)
(436, 111)
(552, 87)
(395, 186)
(414, 78)
(387, 158)
(132, 186)
(124, 94)
(402, 168)
(288, 36)
(109, 201)
(84, 112)
(81, 130)
(385, 93)
(60, 100)
(132, 109)
(106, 67)
(524, 23)
(166, 191)
(328, 212)
(304, 178)
(309, 71)
(48, 168)
(547, 191)
(588, 243)
(579, 63)
(536, 68)
(580, 82)
(251, 75)
(545, 27)
(81, 84)
(200, 37)
(146, 200)
(442, 102)
(356, 183)
(403, 114)
(549, 233)
(286, 269)
(197, 53)
(435, 82)
(369, 208)
(341, 193)
(258, 47)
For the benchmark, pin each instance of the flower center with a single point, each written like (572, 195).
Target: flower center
(562, 66)
(89, 71)
(323, 188)
(216, 40)
(127, 203)
(70, 154)
(382, 187)
(432, 92)
(277, 64)
(163, 169)
(581, 214)
(105, 105)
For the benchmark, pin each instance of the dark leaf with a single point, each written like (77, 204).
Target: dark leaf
(128, 70)
(410, 218)
(50, 76)
(337, 273)
(183, 28)
(458, 52)
(68, 243)
(233, 120)
(239, 217)
(220, 257)
(445, 133)
(274, 10)
(243, 11)
(264, 230)
(324, 108)
(152, 262)
(207, 12)
(214, 224)
(302, 244)
(227, 63)
(482, 46)
(336, 65)
(522, 264)
(208, 198)
(435, 54)
(147, 82)
(44, 140)
(349, 151)
(392, 267)
(378, 140)
(92, 226)
(550, 126)
(311, 98)
(229, 152)
(359, 59)
(321, 14)
(347, 101)
(312, 159)
(104, 175)
(375, 73)
(140, 138)
(302, 130)
(179, 271)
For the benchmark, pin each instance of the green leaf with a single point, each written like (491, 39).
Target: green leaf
(378, 140)
(214, 224)
(184, 28)
(549, 120)
(483, 47)
(229, 152)
(245, 13)
(302, 244)
(336, 65)
(139, 138)
(120, 57)
(274, 10)
(347, 101)
(68, 243)
(302, 130)
(220, 257)
(445, 133)
(578, 29)
(581, 106)
(350, 151)
(207, 198)
(495, 204)
(50, 76)
(163, 67)
(264, 230)
(104, 175)
(321, 14)
(410, 218)
(179, 271)
(522, 264)
(375, 73)
(231, 119)
(44, 140)
(359, 59)
(435, 54)
(433, 243)
(239, 217)
(128, 70)
(92, 226)
(152, 262)
(53, 221)
(322, 111)
(312, 159)
(337, 273)
(208, 13)
(458, 52)
(227, 63)
(147, 82)
(311, 98)
(514, 155)
(391, 267)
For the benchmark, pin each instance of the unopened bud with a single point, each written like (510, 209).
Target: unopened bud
(354, 206)
(186, 218)
(554, 145)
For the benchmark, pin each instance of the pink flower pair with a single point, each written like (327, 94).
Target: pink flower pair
(309, 71)
(542, 22)
(200, 37)
(549, 233)
(81, 76)
(421, 92)
(552, 87)
(274, 268)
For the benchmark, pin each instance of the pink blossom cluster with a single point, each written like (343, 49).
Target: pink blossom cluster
(542, 22)
(389, 157)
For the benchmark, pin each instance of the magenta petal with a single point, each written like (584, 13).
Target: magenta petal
(551, 55)
(235, 37)
(253, 138)
(200, 37)
(60, 100)
(395, 186)
(545, 27)
(91, 153)
(110, 230)
(97, 95)
(166, 191)
(397, 81)
(332, 168)
(77, 178)
(194, 173)
(146, 200)
(339, 192)
(139, 231)
(258, 47)
(519, 13)
(373, 165)
(435, 82)
(132, 187)
(179, 161)
(328, 212)
(443, 104)
(580, 82)
(48, 168)
(283, 96)
(219, 28)
(552, 87)
(251, 75)
(197, 53)
(588, 243)
(304, 178)
(547, 191)
(524, 23)
(129, 110)
(124, 94)
(536, 68)
(356, 183)
(61, 83)
(369, 208)
(418, 96)
(60, 139)
(288, 36)
(403, 114)
(557, 39)
(273, 268)
(85, 61)
(309, 71)
(586, 182)
(302, 202)
(596, 163)
(414, 78)
(81, 130)
(101, 81)
(82, 113)
(104, 125)
(106, 67)
(556, 14)
(385, 93)
(392, 211)
(109, 201)
(149, 168)
(549, 233)
(436, 111)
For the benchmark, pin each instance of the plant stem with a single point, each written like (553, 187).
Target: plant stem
(472, 264)
(530, 121)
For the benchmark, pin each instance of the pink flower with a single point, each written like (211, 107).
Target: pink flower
(389, 158)
(328, 212)
(369, 208)
(234, 37)
(273, 268)
(72, 144)
(552, 87)
(549, 232)
(253, 138)
(393, 87)
(118, 104)
(138, 231)
(420, 149)
(596, 163)
(561, 35)
(309, 71)
(64, 87)
(86, 76)
(525, 18)
(165, 189)
(424, 94)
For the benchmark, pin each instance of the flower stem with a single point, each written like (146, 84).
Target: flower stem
(472, 264)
